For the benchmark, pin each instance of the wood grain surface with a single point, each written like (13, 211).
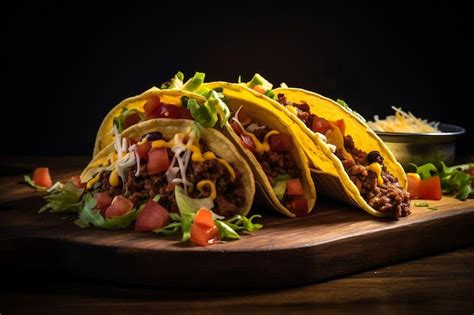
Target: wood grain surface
(440, 284)
(335, 240)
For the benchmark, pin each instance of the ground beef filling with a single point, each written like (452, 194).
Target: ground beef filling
(388, 198)
(230, 198)
(302, 110)
(274, 163)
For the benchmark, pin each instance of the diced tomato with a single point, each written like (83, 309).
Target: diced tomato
(414, 181)
(153, 216)
(244, 118)
(151, 105)
(281, 142)
(76, 181)
(103, 201)
(169, 111)
(235, 126)
(294, 187)
(130, 120)
(119, 206)
(320, 125)
(430, 188)
(202, 235)
(204, 218)
(158, 161)
(299, 206)
(41, 177)
(143, 149)
(259, 89)
(341, 125)
(248, 143)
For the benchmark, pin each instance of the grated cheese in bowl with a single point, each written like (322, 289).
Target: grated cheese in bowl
(403, 122)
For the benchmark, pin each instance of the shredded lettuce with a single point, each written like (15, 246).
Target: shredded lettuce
(67, 199)
(240, 222)
(205, 114)
(194, 83)
(426, 170)
(175, 82)
(89, 215)
(259, 80)
(279, 185)
(270, 94)
(225, 231)
(222, 110)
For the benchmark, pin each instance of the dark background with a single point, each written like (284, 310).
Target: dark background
(68, 64)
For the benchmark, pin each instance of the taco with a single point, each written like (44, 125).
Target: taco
(350, 161)
(157, 156)
(270, 142)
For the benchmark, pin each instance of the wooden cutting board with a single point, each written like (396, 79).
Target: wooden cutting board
(335, 240)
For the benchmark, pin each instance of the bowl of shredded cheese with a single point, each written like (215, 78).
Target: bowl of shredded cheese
(416, 140)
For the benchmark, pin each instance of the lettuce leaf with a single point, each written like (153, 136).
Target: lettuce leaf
(194, 83)
(175, 82)
(205, 114)
(279, 185)
(89, 215)
(67, 199)
(187, 209)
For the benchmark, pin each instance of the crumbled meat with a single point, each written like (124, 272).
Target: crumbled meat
(388, 198)
(230, 198)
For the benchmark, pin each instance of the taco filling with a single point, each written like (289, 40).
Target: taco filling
(272, 150)
(380, 189)
(155, 166)
(153, 108)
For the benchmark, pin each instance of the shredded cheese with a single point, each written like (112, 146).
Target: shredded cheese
(403, 122)
(211, 185)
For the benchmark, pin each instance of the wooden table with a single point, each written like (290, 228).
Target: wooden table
(436, 284)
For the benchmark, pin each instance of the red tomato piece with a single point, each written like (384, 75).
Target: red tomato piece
(143, 149)
(41, 177)
(151, 105)
(130, 120)
(158, 161)
(320, 125)
(235, 126)
(248, 143)
(202, 235)
(430, 188)
(414, 181)
(299, 206)
(170, 111)
(119, 206)
(153, 216)
(341, 125)
(294, 187)
(204, 218)
(244, 118)
(76, 181)
(281, 142)
(103, 201)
